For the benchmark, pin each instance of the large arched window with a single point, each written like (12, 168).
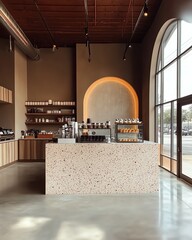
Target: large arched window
(173, 81)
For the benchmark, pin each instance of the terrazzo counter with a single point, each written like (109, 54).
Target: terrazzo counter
(102, 168)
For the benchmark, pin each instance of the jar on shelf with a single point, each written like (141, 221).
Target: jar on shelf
(50, 101)
(108, 124)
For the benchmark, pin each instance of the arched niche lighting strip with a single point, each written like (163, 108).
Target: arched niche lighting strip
(104, 80)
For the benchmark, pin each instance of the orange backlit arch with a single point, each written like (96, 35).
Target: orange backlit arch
(125, 84)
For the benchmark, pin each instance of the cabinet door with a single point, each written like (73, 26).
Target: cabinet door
(24, 150)
(8, 152)
(38, 149)
(32, 149)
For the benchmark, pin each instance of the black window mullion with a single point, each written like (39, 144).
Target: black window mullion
(178, 59)
(172, 133)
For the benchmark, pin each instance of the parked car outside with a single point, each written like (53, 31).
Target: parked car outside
(190, 131)
(184, 132)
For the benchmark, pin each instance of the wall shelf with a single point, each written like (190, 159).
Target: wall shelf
(49, 114)
(43, 114)
(51, 106)
(45, 123)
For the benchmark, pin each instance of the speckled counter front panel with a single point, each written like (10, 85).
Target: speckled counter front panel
(88, 168)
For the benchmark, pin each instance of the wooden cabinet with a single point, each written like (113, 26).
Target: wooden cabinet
(5, 95)
(32, 149)
(8, 152)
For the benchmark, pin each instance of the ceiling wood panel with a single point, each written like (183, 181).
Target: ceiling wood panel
(62, 22)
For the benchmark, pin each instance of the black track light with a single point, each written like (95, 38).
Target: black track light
(86, 31)
(145, 10)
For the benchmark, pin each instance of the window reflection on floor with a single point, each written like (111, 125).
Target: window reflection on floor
(186, 140)
(187, 165)
(76, 231)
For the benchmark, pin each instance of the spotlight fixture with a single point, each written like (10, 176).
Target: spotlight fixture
(145, 10)
(86, 31)
(54, 48)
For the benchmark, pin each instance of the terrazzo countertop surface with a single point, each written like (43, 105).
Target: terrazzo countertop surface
(102, 168)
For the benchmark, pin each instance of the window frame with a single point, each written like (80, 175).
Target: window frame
(160, 67)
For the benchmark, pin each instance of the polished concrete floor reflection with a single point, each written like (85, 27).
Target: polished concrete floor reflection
(27, 214)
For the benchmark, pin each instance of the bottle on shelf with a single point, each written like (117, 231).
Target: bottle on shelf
(88, 123)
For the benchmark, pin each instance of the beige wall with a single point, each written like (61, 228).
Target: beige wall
(20, 91)
(106, 61)
(7, 118)
(169, 10)
(53, 76)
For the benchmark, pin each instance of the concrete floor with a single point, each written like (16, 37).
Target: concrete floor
(27, 214)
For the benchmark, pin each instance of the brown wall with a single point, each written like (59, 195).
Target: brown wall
(106, 60)
(7, 119)
(53, 76)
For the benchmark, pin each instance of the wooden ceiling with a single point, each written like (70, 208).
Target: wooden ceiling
(63, 22)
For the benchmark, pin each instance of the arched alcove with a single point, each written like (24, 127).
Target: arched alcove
(109, 98)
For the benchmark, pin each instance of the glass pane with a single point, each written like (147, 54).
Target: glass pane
(166, 129)
(170, 44)
(170, 82)
(174, 123)
(159, 60)
(158, 86)
(187, 140)
(186, 35)
(159, 66)
(186, 74)
(158, 124)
